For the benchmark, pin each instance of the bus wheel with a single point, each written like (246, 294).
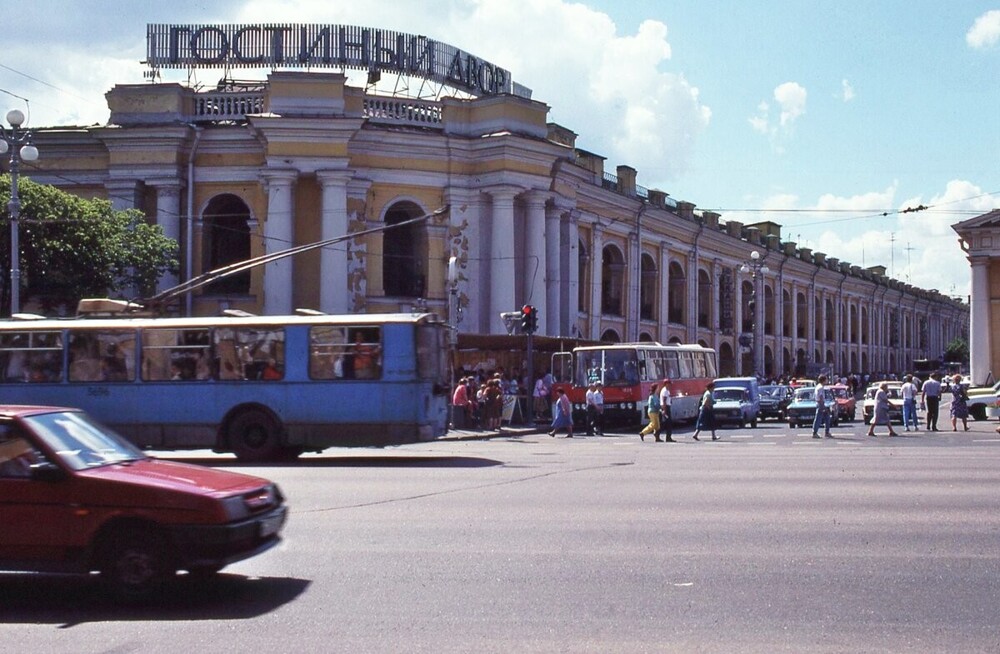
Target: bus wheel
(253, 436)
(978, 412)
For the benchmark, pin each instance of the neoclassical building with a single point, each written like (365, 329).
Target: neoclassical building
(251, 168)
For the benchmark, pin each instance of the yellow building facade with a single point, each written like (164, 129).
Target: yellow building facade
(525, 217)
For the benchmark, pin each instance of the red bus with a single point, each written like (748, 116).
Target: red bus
(627, 371)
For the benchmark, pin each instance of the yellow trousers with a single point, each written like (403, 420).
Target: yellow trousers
(654, 424)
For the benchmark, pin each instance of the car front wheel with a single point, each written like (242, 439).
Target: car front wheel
(134, 563)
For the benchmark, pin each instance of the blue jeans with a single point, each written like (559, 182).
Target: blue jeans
(822, 419)
(910, 414)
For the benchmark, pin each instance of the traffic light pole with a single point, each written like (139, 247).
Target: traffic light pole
(529, 414)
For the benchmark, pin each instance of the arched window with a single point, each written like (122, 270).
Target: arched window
(404, 253)
(704, 300)
(226, 240)
(612, 281)
(610, 336)
(677, 294)
(647, 289)
(583, 274)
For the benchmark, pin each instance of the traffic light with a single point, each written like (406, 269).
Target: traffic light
(529, 319)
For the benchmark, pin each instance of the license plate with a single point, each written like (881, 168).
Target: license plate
(270, 526)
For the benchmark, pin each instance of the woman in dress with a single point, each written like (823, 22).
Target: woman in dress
(563, 418)
(880, 415)
(959, 404)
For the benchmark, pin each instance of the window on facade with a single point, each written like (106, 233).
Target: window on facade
(677, 294)
(612, 281)
(176, 355)
(31, 356)
(404, 250)
(226, 240)
(704, 300)
(647, 289)
(101, 355)
(345, 352)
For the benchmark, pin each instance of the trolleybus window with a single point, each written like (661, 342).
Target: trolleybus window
(250, 353)
(345, 353)
(101, 355)
(176, 355)
(31, 356)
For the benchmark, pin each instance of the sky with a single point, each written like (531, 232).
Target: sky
(831, 118)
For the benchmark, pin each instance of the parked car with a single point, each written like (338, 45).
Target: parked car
(732, 405)
(75, 497)
(752, 387)
(847, 406)
(802, 410)
(895, 402)
(774, 400)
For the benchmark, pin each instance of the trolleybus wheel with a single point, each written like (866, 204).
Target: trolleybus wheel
(253, 436)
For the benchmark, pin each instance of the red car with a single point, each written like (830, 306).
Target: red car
(76, 497)
(847, 408)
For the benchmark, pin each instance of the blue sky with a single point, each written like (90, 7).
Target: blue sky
(820, 116)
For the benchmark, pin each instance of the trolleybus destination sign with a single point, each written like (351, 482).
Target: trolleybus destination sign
(324, 46)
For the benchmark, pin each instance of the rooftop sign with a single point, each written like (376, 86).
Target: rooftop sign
(324, 46)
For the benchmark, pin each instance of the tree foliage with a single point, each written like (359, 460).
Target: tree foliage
(957, 350)
(71, 248)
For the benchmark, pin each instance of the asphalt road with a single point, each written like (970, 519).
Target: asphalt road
(765, 541)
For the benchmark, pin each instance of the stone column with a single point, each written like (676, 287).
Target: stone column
(278, 235)
(124, 194)
(569, 286)
(554, 323)
(536, 265)
(333, 273)
(980, 351)
(596, 280)
(664, 290)
(502, 264)
(168, 217)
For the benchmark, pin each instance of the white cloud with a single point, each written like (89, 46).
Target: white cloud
(985, 31)
(846, 91)
(790, 98)
(613, 89)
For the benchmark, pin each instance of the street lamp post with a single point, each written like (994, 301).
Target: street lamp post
(18, 142)
(757, 268)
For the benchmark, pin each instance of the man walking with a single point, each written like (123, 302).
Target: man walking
(822, 418)
(666, 421)
(930, 399)
(909, 392)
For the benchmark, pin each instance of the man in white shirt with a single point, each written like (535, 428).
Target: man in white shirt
(909, 393)
(666, 424)
(595, 409)
(930, 397)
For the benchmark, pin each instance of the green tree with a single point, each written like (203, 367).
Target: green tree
(957, 351)
(71, 248)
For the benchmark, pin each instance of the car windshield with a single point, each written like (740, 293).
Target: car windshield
(80, 442)
(805, 395)
(772, 391)
(732, 394)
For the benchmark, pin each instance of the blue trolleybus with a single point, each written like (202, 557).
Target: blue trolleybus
(262, 387)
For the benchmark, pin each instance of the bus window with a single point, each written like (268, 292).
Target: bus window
(366, 353)
(621, 368)
(432, 354)
(327, 346)
(101, 355)
(671, 365)
(250, 353)
(176, 355)
(31, 356)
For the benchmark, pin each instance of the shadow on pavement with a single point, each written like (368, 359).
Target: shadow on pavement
(333, 461)
(68, 600)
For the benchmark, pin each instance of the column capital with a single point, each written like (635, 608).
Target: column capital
(333, 177)
(279, 177)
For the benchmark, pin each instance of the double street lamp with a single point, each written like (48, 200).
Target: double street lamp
(18, 142)
(757, 268)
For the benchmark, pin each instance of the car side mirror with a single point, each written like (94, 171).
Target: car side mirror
(47, 471)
